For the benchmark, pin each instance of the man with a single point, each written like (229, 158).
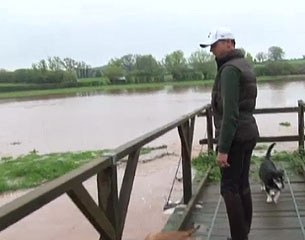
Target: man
(233, 102)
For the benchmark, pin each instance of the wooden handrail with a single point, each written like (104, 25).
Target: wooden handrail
(30, 202)
(290, 138)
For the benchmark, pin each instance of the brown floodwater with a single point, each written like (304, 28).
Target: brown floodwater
(108, 120)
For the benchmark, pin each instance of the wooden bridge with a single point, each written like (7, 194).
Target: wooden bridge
(284, 220)
(203, 205)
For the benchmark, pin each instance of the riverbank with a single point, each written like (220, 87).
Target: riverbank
(33, 169)
(93, 90)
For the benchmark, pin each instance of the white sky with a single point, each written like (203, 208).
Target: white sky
(95, 31)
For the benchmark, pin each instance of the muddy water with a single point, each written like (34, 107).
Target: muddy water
(106, 121)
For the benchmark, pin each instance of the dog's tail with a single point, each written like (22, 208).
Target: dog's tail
(268, 154)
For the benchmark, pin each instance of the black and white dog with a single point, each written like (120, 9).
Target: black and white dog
(272, 179)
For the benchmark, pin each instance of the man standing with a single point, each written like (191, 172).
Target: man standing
(233, 102)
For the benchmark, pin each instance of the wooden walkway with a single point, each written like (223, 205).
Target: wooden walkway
(284, 220)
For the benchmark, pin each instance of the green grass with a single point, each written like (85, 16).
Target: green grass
(129, 87)
(14, 84)
(31, 170)
(293, 162)
(203, 162)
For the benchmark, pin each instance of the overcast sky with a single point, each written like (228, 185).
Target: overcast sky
(95, 31)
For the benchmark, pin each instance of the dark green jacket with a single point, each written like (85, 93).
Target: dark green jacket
(233, 101)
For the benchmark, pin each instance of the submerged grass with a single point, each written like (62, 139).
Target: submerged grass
(32, 170)
(285, 124)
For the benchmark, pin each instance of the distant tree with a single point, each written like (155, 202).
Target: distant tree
(249, 58)
(261, 57)
(203, 62)
(147, 68)
(55, 64)
(113, 71)
(98, 73)
(128, 62)
(69, 64)
(275, 53)
(41, 65)
(83, 70)
(175, 64)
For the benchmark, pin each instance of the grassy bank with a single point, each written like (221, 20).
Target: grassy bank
(32, 170)
(291, 161)
(129, 87)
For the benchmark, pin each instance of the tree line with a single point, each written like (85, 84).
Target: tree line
(135, 68)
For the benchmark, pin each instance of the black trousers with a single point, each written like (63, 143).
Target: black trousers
(235, 189)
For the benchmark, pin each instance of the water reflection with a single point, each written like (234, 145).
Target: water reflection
(281, 94)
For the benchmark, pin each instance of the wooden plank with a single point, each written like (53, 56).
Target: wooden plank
(289, 138)
(267, 218)
(82, 199)
(209, 129)
(108, 196)
(186, 162)
(266, 110)
(126, 187)
(275, 110)
(191, 133)
(183, 134)
(301, 125)
(181, 218)
(30, 202)
(278, 234)
(187, 213)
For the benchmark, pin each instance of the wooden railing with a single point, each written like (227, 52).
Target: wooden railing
(108, 216)
(288, 138)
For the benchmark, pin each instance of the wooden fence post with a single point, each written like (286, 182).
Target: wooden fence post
(301, 125)
(108, 197)
(186, 131)
(209, 129)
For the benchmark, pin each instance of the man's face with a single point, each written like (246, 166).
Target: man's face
(221, 48)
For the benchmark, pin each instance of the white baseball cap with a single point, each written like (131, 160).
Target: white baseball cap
(216, 35)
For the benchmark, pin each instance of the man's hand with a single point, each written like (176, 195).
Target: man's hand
(222, 160)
